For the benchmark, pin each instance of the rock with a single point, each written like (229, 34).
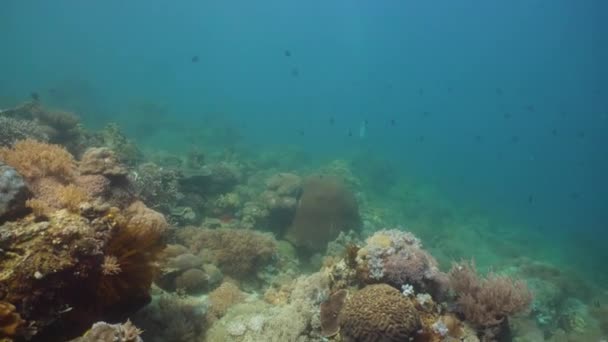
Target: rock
(13, 193)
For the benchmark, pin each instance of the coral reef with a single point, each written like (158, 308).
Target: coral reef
(76, 259)
(487, 302)
(34, 160)
(13, 130)
(158, 187)
(170, 317)
(378, 313)
(396, 257)
(237, 252)
(222, 298)
(326, 207)
(102, 331)
(13, 193)
(58, 126)
(330, 310)
(101, 161)
(296, 320)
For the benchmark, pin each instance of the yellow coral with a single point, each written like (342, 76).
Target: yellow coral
(33, 160)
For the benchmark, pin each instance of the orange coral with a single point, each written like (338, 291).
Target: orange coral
(10, 321)
(33, 160)
(222, 298)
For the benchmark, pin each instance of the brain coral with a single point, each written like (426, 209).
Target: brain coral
(378, 313)
(326, 207)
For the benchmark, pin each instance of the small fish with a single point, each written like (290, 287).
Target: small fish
(420, 91)
(530, 199)
(554, 132)
(498, 91)
(574, 195)
(35, 96)
(332, 121)
(350, 133)
(426, 114)
(393, 122)
(421, 138)
(515, 139)
(194, 59)
(580, 134)
(530, 108)
(301, 132)
(478, 138)
(506, 115)
(295, 72)
(287, 53)
(450, 89)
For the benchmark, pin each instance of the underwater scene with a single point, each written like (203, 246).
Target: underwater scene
(295, 171)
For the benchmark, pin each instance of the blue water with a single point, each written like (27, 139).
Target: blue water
(502, 105)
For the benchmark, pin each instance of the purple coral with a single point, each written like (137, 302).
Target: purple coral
(397, 258)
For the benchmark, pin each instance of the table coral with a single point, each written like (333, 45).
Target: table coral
(378, 313)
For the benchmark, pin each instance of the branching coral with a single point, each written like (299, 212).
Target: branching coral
(34, 160)
(487, 301)
(13, 130)
(237, 252)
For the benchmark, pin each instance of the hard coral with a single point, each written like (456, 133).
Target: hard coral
(487, 301)
(396, 257)
(13, 193)
(222, 298)
(326, 207)
(13, 130)
(378, 313)
(102, 331)
(237, 252)
(101, 161)
(34, 160)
